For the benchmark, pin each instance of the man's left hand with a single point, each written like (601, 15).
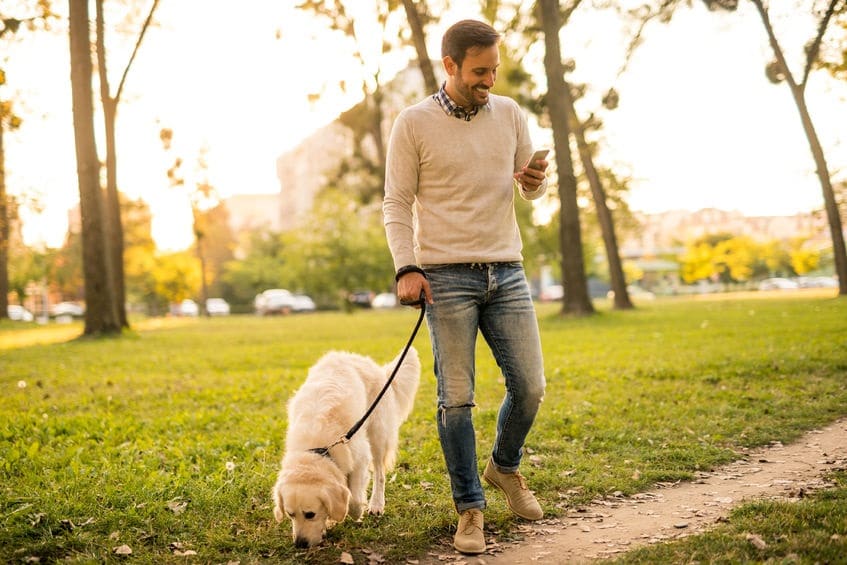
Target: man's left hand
(529, 178)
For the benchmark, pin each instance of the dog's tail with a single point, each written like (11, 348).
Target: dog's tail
(405, 384)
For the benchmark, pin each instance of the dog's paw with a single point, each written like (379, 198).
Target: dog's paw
(376, 505)
(355, 510)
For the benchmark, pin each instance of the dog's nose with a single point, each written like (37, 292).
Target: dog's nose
(301, 543)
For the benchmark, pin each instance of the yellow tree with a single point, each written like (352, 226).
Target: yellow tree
(803, 259)
(698, 262)
(735, 258)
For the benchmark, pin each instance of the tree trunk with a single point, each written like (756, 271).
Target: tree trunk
(114, 222)
(4, 229)
(836, 230)
(575, 300)
(114, 242)
(604, 215)
(99, 318)
(419, 39)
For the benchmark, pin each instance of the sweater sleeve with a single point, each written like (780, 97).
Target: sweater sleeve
(522, 155)
(401, 185)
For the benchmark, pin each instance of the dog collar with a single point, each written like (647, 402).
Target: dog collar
(322, 451)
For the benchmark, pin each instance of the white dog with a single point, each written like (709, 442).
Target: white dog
(316, 490)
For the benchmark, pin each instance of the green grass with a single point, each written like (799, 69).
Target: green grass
(128, 441)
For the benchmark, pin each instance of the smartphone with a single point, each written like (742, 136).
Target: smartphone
(537, 156)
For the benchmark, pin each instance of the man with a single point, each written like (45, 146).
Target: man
(453, 163)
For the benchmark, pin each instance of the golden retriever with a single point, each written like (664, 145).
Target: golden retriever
(314, 490)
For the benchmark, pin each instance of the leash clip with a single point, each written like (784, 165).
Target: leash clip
(324, 451)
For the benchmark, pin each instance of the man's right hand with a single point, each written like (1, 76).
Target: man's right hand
(409, 288)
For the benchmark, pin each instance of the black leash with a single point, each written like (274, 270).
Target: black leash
(324, 451)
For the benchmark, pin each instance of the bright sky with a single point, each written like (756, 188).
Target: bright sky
(698, 124)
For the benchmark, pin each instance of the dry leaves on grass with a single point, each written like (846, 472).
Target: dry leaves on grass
(122, 550)
(177, 507)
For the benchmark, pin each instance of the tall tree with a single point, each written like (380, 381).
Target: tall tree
(112, 210)
(366, 119)
(417, 19)
(100, 315)
(576, 300)
(604, 214)
(778, 71)
(9, 121)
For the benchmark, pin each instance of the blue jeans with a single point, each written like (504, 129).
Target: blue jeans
(492, 298)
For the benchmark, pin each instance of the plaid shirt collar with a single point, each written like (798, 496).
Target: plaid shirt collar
(452, 109)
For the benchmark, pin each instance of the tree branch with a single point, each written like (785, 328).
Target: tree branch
(814, 49)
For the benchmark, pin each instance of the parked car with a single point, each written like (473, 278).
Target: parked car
(778, 283)
(217, 307)
(551, 293)
(361, 298)
(635, 292)
(71, 309)
(188, 308)
(816, 282)
(19, 314)
(384, 300)
(274, 301)
(303, 303)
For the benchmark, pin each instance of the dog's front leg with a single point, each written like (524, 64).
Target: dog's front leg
(357, 482)
(377, 503)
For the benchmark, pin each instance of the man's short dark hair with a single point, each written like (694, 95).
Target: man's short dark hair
(464, 35)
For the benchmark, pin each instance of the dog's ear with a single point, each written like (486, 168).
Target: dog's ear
(335, 499)
(279, 505)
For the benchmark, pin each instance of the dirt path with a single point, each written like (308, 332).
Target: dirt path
(615, 525)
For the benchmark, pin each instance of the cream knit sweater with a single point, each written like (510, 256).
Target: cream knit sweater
(449, 186)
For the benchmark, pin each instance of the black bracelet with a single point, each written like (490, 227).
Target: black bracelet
(408, 269)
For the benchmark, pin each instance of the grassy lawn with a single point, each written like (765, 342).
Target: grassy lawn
(168, 440)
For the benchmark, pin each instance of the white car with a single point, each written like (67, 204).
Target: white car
(217, 307)
(303, 303)
(19, 314)
(384, 300)
(188, 308)
(778, 283)
(71, 309)
(274, 301)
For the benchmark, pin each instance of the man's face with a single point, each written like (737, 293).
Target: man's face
(468, 86)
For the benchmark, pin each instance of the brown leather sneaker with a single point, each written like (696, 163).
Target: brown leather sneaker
(519, 498)
(469, 537)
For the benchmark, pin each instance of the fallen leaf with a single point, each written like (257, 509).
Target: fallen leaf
(122, 550)
(185, 553)
(758, 542)
(177, 507)
(346, 558)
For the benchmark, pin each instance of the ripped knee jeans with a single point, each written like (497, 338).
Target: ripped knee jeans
(492, 299)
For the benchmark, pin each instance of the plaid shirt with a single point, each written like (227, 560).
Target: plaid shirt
(453, 109)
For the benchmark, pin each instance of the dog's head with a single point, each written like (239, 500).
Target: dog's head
(311, 498)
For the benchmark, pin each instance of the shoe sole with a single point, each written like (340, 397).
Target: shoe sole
(474, 551)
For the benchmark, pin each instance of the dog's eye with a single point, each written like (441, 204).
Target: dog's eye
(309, 515)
